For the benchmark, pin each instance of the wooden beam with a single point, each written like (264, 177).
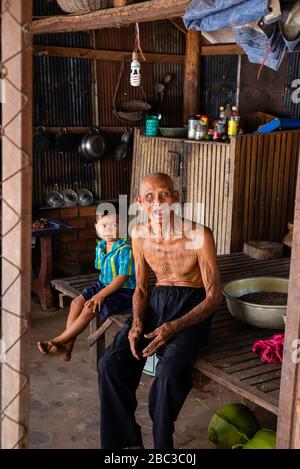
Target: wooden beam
(83, 130)
(111, 55)
(153, 10)
(288, 430)
(119, 56)
(191, 86)
(179, 24)
(222, 49)
(16, 223)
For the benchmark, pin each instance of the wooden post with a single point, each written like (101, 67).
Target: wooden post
(191, 87)
(288, 431)
(16, 223)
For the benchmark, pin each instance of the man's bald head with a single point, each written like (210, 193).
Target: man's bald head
(163, 177)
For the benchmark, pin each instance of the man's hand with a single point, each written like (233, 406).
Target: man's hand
(96, 301)
(134, 336)
(161, 336)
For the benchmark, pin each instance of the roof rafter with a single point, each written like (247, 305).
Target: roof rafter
(152, 10)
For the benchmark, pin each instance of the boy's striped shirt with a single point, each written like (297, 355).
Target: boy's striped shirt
(118, 261)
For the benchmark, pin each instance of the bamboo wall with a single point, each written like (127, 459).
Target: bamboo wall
(247, 187)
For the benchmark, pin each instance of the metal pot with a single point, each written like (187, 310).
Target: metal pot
(41, 140)
(120, 152)
(64, 141)
(93, 145)
(127, 136)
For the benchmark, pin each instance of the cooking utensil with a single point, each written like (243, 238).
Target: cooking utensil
(167, 78)
(85, 197)
(70, 198)
(179, 132)
(41, 140)
(264, 316)
(120, 152)
(93, 145)
(55, 199)
(64, 141)
(127, 136)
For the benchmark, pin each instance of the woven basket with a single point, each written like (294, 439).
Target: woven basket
(81, 6)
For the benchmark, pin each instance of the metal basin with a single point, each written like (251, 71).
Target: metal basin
(264, 316)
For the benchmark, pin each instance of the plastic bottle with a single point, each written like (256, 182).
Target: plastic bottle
(222, 116)
(228, 111)
(218, 131)
(233, 123)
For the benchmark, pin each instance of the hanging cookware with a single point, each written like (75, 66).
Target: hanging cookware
(85, 197)
(64, 141)
(41, 140)
(127, 136)
(131, 110)
(93, 145)
(120, 152)
(70, 198)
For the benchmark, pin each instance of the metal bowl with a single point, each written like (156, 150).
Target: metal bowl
(55, 199)
(264, 316)
(70, 198)
(85, 197)
(176, 132)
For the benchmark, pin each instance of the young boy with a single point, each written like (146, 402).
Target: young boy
(111, 294)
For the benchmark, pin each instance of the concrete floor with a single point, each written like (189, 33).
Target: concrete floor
(65, 404)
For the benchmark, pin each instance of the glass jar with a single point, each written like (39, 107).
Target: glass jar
(201, 131)
(193, 123)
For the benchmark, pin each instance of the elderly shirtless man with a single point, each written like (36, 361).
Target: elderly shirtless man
(172, 320)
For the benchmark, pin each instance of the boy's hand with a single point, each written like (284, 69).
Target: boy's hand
(134, 336)
(161, 336)
(96, 301)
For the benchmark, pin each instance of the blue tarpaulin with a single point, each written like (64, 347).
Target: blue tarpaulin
(263, 43)
(210, 15)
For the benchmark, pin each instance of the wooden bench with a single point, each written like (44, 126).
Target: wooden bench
(228, 359)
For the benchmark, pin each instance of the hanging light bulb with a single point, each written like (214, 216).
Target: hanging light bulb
(135, 77)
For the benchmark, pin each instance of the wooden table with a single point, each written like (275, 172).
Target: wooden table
(41, 285)
(228, 359)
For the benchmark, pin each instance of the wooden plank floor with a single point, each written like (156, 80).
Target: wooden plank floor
(228, 359)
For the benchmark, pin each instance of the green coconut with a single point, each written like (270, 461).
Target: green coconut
(263, 439)
(232, 424)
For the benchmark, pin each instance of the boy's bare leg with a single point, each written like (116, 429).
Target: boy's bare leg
(64, 351)
(76, 327)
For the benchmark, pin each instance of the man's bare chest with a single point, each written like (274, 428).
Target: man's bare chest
(171, 254)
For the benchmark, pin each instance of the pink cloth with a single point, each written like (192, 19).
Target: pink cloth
(270, 350)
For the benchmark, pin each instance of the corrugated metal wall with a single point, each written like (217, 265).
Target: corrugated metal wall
(271, 93)
(291, 108)
(158, 37)
(218, 83)
(64, 91)
(64, 94)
